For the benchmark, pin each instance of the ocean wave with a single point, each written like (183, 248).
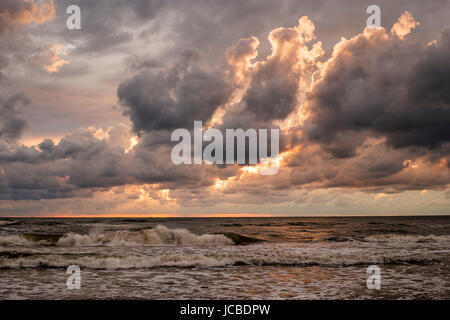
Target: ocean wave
(221, 259)
(400, 238)
(8, 222)
(390, 238)
(160, 235)
(18, 240)
(337, 239)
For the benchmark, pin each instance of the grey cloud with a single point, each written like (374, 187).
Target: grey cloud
(175, 97)
(384, 88)
(106, 24)
(12, 120)
(4, 62)
(81, 164)
(78, 165)
(138, 64)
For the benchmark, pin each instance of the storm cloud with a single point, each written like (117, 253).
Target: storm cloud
(175, 97)
(377, 85)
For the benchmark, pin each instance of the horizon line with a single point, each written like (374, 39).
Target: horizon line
(249, 215)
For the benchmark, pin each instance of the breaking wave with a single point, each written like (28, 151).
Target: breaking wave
(160, 235)
(220, 259)
(396, 238)
(9, 222)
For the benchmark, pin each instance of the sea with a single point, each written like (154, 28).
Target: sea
(225, 258)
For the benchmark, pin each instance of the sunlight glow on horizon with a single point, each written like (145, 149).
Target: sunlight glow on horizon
(174, 215)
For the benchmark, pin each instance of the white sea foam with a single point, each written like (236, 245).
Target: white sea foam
(257, 255)
(7, 222)
(160, 235)
(396, 238)
(114, 262)
(15, 240)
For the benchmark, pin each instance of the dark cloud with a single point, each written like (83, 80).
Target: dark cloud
(81, 164)
(4, 62)
(12, 120)
(78, 165)
(175, 97)
(139, 63)
(106, 24)
(275, 83)
(381, 86)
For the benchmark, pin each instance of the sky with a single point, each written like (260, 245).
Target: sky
(86, 115)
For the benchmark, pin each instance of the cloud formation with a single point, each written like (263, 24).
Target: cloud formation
(20, 12)
(371, 117)
(49, 58)
(174, 97)
(375, 85)
(404, 25)
(12, 120)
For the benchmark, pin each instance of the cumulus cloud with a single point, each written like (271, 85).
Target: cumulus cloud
(377, 85)
(269, 92)
(404, 25)
(75, 167)
(174, 97)
(239, 57)
(274, 84)
(91, 161)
